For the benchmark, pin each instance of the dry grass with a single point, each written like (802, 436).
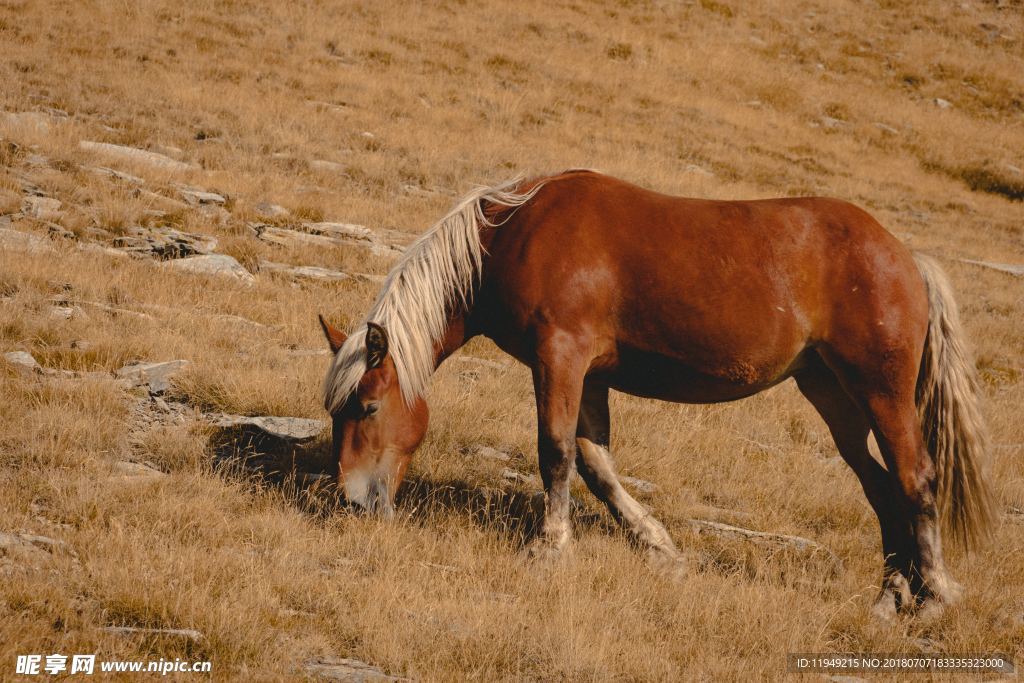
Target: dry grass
(436, 98)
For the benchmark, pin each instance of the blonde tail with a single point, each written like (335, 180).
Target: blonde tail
(951, 420)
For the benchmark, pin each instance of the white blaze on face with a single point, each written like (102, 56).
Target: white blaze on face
(370, 485)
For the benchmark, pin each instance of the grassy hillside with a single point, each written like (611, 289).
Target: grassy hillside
(379, 114)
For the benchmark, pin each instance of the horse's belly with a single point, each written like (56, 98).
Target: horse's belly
(672, 379)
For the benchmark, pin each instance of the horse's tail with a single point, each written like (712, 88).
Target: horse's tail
(951, 420)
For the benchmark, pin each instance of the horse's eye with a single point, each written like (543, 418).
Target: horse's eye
(370, 409)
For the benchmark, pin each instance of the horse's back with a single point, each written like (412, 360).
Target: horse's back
(728, 289)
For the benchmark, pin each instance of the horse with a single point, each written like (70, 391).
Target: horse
(597, 284)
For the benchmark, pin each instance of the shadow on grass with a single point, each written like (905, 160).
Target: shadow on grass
(303, 474)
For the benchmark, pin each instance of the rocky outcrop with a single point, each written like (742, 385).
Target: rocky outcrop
(215, 265)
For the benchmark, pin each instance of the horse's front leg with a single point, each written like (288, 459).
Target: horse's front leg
(558, 384)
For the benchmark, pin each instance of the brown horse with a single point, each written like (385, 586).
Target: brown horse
(597, 284)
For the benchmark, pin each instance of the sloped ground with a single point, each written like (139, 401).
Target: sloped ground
(274, 120)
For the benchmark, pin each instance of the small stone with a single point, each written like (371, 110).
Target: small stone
(941, 103)
(271, 210)
(491, 454)
(23, 360)
(886, 128)
(832, 122)
(154, 376)
(519, 477)
(348, 670)
(201, 197)
(120, 175)
(219, 265)
(698, 170)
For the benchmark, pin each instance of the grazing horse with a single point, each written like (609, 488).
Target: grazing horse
(597, 284)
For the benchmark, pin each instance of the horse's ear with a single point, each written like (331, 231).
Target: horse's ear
(376, 345)
(334, 336)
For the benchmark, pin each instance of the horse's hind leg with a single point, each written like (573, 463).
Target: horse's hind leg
(898, 432)
(595, 466)
(850, 428)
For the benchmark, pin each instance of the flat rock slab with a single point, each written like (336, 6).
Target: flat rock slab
(218, 265)
(15, 240)
(190, 634)
(135, 155)
(308, 272)
(165, 243)
(202, 197)
(136, 471)
(765, 539)
(348, 670)
(23, 360)
(1011, 268)
(296, 429)
(154, 376)
(285, 236)
(45, 208)
(12, 543)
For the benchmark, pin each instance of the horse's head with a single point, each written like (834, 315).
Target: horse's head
(375, 432)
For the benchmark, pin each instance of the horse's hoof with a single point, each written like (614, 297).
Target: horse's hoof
(543, 550)
(884, 609)
(671, 564)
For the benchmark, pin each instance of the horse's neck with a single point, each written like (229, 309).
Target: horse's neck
(455, 336)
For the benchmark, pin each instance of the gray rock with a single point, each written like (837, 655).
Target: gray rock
(190, 634)
(284, 236)
(271, 210)
(120, 175)
(832, 122)
(348, 670)
(154, 376)
(310, 272)
(165, 243)
(15, 240)
(12, 543)
(765, 539)
(201, 197)
(1011, 268)
(30, 120)
(694, 168)
(66, 312)
(324, 165)
(293, 429)
(343, 230)
(886, 128)
(23, 361)
(641, 485)
(136, 471)
(219, 265)
(941, 103)
(135, 155)
(41, 207)
(519, 477)
(489, 453)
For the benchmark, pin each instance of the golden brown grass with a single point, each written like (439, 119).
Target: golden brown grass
(435, 99)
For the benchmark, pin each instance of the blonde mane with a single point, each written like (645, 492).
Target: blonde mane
(435, 273)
